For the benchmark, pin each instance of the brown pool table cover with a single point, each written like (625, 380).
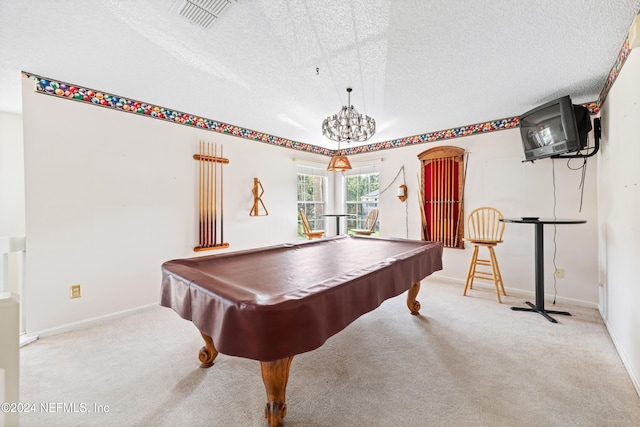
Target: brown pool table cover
(270, 303)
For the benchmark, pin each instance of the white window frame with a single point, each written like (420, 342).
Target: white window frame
(317, 218)
(374, 202)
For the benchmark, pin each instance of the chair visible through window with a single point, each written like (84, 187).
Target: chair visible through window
(485, 229)
(306, 227)
(369, 224)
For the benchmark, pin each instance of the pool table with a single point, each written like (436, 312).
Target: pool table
(269, 304)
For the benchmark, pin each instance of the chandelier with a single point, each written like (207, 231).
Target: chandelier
(348, 125)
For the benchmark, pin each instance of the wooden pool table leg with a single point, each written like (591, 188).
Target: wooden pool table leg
(275, 375)
(412, 302)
(207, 353)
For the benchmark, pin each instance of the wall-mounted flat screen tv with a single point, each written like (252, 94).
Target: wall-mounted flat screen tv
(551, 129)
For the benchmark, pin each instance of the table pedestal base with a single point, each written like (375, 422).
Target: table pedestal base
(541, 311)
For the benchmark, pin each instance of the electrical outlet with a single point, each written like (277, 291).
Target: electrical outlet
(559, 273)
(75, 291)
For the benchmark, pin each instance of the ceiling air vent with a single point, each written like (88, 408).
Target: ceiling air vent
(201, 12)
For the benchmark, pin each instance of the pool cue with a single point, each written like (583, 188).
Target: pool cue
(443, 177)
(208, 194)
(461, 195)
(452, 200)
(203, 215)
(221, 200)
(215, 198)
(205, 193)
(445, 224)
(446, 204)
(205, 200)
(442, 200)
(215, 195)
(438, 185)
(421, 197)
(445, 184)
(211, 197)
(431, 207)
(200, 219)
(449, 178)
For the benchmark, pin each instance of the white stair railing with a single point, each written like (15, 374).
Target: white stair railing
(11, 286)
(9, 357)
(10, 245)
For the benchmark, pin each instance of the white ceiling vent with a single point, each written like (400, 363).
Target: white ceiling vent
(201, 12)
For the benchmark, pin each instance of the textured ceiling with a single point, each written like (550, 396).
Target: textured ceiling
(282, 66)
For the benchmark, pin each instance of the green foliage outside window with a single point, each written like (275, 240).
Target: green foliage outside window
(362, 195)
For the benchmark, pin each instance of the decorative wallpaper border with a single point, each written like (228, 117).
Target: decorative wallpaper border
(436, 136)
(47, 86)
(65, 90)
(615, 71)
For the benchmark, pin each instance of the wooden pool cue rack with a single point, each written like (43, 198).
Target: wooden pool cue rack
(258, 191)
(210, 197)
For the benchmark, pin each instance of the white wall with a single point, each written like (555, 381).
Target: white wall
(497, 177)
(111, 195)
(11, 175)
(619, 232)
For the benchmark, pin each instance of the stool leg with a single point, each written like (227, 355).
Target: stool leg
(472, 271)
(495, 272)
(499, 275)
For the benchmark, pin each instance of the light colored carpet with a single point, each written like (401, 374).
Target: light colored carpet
(465, 361)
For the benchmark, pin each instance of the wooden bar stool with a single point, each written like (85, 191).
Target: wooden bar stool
(485, 229)
(307, 230)
(369, 224)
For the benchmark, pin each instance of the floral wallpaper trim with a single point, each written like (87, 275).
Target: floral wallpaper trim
(436, 136)
(615, 72)
(47, 86)
(78, 93)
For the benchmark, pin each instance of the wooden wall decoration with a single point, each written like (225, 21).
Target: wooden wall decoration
(258, 191)
(442, 191)
(210, 197)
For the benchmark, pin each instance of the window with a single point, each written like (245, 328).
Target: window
(362, 195)
(442, 196)
(311, 198)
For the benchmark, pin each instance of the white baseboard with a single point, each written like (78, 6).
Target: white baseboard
(520, 292)
(27, 339)
(625, 361)
(92, 322)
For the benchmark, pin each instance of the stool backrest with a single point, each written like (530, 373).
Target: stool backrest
(484, 224)
(372, 217)
(305, 222)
